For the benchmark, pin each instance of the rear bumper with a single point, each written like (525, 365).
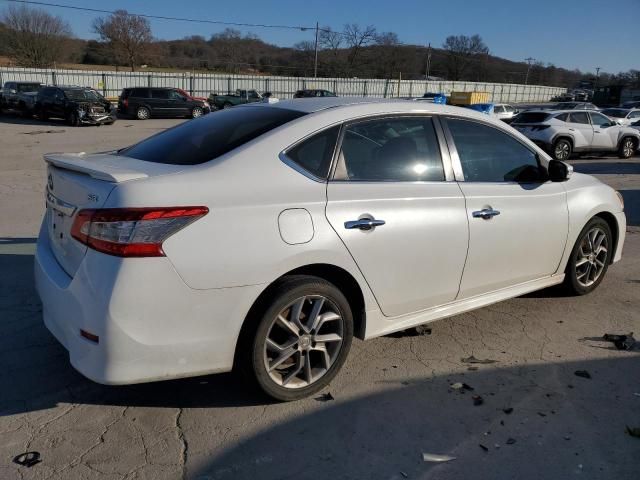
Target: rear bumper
(151, 326)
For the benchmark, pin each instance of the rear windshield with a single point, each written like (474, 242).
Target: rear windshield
(531, 117)
(612, 112)
(81, 94)
(28, 87)
(201, 140)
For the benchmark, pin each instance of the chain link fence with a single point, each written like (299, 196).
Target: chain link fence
(111, 83)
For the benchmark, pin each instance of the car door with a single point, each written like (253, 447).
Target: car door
(159, 102)
(393, 202)
(518, 222)
(605, 132)
(179, 104)
(581, 130)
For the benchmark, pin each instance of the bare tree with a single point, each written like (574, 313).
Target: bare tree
(356, 38)
(128, 35)
(35, 38)
(388, 58)
(461, 52)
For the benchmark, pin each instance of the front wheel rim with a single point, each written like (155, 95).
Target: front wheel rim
(197, 112)
(562, 151)
(303, 342)
(592, 257)
(627, 148)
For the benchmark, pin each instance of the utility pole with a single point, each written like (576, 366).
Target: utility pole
(315, 65)
(427, 73)
(597, 75)
(526, 78)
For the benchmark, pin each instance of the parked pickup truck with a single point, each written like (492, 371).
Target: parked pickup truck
(239, 98)
(19, 96)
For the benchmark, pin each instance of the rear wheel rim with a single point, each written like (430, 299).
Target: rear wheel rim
(143, 114)
(627, 148)
(303, 342)
(592, 256)
(562, 151)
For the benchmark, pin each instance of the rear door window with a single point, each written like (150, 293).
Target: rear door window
(396, 149)
(161, 94)
(579, 117)
(140, 93)
(211, 136)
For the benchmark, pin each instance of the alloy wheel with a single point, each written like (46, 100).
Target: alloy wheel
(562, 151)
(592, 257)
(197, 112)
(303, 342)
(143, 113)
(628, 147)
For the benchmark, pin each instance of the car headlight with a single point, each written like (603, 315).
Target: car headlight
(621, 198)
(205, 104)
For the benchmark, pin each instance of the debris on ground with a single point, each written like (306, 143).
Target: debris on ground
(542, 414)
(486, 449)
(460, 386)
(508, 410)
(567, 437)
(634, 432)
(434, 457)
(637, 394)
(510, 441)
(477, 400)
(422, 330)
(622, 342)
(325, 397)
(40, 132)
(472, 369)
(473, 359)
(582, 373)
(29, 459)
(404, 474)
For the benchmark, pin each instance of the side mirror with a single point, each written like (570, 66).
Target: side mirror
(559, 171)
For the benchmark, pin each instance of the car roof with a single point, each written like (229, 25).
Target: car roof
(384, 105)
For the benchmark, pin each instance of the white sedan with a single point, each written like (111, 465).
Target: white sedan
(267, 236)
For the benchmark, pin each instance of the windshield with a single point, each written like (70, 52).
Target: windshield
(209, 137)
(81, 94)
(28, 87)
(531, 117)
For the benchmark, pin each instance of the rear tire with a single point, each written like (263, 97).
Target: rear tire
(197, 112)
(590, 258)
(74, 119)
(227, 105)
(292, 358)
(628, 147)
(562, 149)
(143, 113)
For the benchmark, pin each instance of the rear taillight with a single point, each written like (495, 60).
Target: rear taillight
(125, 102)
(132, 232)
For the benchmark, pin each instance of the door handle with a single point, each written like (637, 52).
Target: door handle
(485, 213)
(363, 224)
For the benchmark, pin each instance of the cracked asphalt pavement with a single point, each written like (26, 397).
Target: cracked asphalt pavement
(392, 402)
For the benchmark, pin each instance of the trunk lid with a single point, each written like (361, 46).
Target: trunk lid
(79, 181)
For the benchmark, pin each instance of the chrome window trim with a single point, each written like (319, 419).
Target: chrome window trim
(444, 152)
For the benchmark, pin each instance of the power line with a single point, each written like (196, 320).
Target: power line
(161, 17)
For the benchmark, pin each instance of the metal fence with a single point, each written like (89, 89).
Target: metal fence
(111, 83)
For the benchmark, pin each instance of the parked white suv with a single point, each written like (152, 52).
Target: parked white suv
(504, 112)
(564, 132)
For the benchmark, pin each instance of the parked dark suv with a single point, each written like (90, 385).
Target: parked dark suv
(313, 93)
(143, 103)
(77, 105)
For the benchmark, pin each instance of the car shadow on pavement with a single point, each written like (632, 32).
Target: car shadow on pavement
(620, 167)
(632, 206)
(536, 421)
(18, 120)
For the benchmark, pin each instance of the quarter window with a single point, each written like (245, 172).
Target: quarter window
(402, 149)
(314, 154)
(489, 155)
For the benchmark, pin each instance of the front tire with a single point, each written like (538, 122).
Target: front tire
(301, 338)
(197, 112)
(627, 148)
(562, 149)
(590, 258)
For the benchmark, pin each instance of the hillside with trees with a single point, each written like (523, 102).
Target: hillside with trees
(34, 38)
